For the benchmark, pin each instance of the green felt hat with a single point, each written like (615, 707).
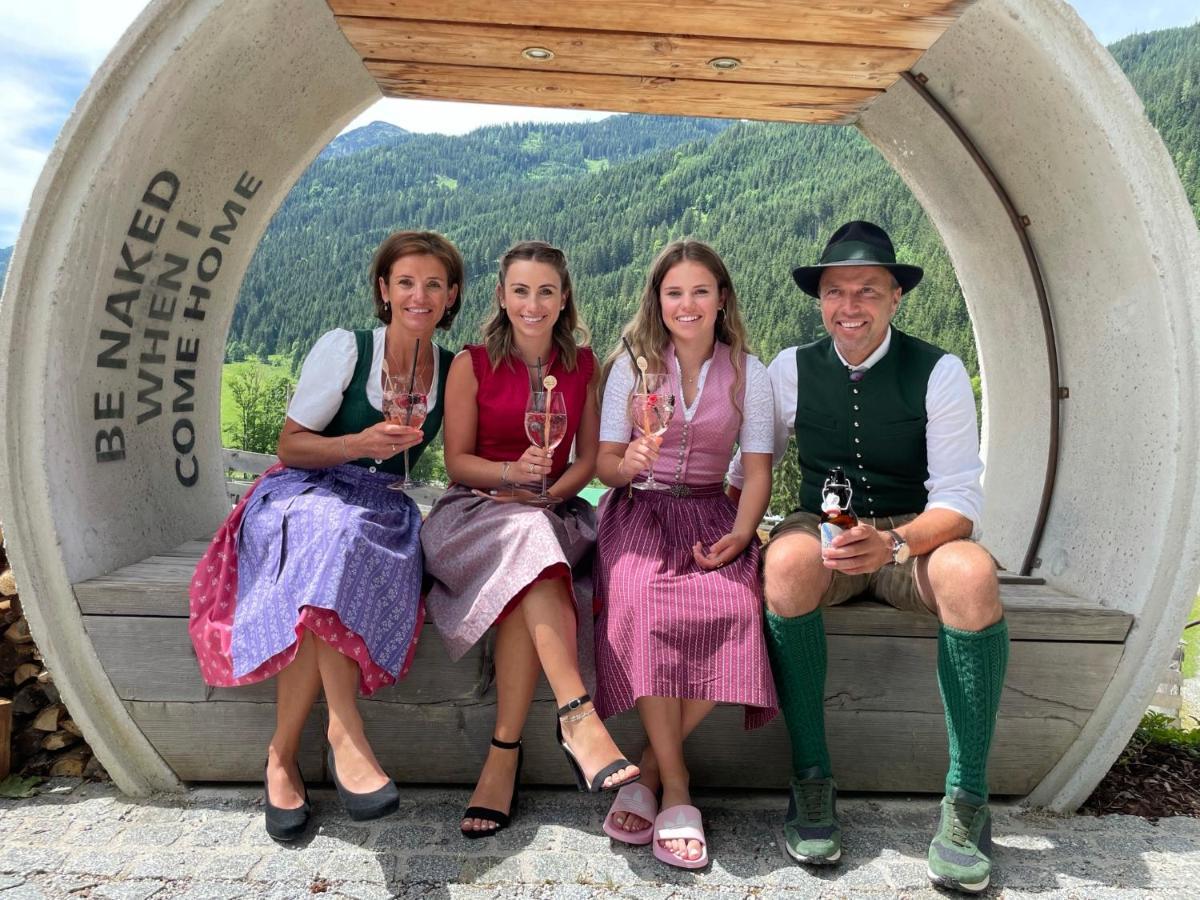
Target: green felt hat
(858, 244)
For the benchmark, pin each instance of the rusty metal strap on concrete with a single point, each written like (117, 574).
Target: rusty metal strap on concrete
(1020, 224)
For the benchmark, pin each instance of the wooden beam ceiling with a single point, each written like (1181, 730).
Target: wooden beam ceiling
(799, 60)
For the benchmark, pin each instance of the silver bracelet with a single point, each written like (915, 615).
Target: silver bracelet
(621, 462)
(346, 449)
(504, 482)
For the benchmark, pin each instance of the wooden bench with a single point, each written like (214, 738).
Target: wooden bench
(884, 715)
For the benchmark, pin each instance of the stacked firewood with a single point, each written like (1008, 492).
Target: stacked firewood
(37, 734)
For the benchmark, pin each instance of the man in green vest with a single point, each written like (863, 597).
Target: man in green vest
(898, 415)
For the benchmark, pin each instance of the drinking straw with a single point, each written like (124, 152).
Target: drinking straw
(632, 357)
(548, 383)
(642, 366)
(412, 382)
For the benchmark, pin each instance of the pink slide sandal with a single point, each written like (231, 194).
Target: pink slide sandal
(639, 800)
(680, 823)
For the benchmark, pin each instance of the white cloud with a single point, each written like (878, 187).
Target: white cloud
(30, 112)
(50, 50)
(82, 31)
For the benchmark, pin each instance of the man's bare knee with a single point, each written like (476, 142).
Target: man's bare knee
(962, 578)
(793, 577)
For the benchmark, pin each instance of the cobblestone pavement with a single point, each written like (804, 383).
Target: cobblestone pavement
(87, 840)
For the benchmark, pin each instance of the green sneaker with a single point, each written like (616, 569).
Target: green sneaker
(811, 833)
(960, 853)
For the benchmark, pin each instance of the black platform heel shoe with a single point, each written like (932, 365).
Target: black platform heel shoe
(284, 824)
(362, 807)
(494, 815)
(596, 785)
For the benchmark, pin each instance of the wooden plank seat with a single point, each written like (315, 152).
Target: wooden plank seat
(884, 715)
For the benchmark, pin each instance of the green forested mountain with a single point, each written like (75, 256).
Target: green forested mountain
(373, 135)
(484, 190)
(611, 193)
(1164, 68)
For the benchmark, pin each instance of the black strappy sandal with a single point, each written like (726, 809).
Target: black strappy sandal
(596, 785)
(494, 815)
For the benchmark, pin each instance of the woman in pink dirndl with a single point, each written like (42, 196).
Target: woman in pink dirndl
(680, 625)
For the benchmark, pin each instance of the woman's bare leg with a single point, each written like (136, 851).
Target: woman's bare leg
(692, 713)
(517, 671)
(296, 690)
(357, 768)
(662, 717)
(550, 619)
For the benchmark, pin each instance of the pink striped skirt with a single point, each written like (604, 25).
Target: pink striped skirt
(668, 628)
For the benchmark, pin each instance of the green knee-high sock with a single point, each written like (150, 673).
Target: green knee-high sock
(798, 660)
(971, 667)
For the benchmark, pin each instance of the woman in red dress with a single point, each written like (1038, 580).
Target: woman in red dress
(497, 558)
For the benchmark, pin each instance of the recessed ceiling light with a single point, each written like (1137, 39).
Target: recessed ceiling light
(724, 63)
(537, 54)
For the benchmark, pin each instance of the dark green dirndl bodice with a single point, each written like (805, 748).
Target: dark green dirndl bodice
(357, 413)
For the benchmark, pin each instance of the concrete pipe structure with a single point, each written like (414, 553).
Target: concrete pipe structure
(122, 287)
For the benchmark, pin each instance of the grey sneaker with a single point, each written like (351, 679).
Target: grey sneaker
(811, 833)
(960, 853)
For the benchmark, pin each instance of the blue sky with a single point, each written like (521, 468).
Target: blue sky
(49, 50)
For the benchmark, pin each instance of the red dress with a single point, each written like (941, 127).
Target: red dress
(482, 556)
(502, 395)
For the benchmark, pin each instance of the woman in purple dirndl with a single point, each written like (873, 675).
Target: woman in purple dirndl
(328, 559)
(680, 625)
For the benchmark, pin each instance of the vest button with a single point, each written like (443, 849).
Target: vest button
(856, 390)
(371, 469)
(858, 440)
(855, 424)
(860, 465)
(859, 455)
(856, 407)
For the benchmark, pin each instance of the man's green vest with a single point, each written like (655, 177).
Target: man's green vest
(873, 428)
(357, 413)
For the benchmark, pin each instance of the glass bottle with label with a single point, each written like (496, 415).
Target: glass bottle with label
(837, 511)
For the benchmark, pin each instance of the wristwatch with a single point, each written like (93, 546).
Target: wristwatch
(900, 551)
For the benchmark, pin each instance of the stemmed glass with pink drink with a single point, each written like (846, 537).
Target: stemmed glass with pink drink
(545, 426)
(651, 406)
(405, 402)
